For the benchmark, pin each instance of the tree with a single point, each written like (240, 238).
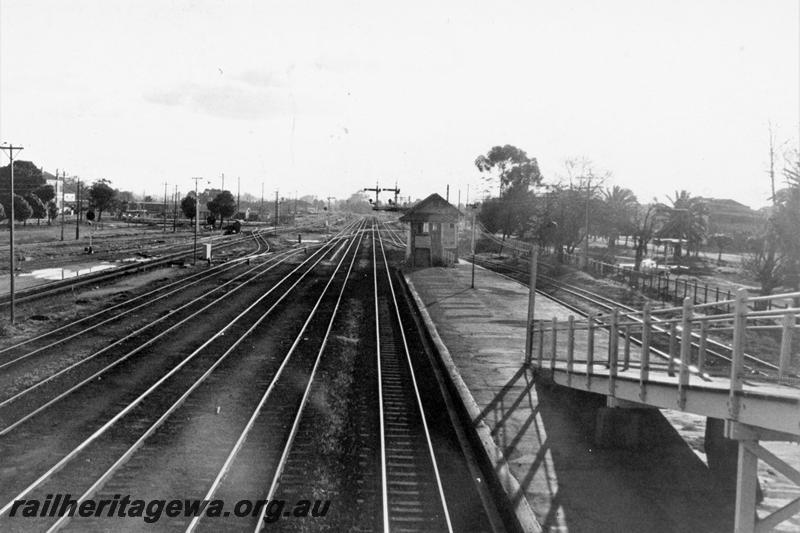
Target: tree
(2, 212)
(189, 206)
(561, 217)
(763, 262)
(45, 193)
(38, 210)
(644, 224)
(785, 223)
(619, 208)
(686, 220)
(223, 206)
(491, 215)
(52, 211)
(516, 173)
(27, 178)
(22, 210)
(720, 241)
(102, 196)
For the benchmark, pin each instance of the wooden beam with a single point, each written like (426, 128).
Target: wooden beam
(775, 462)
(746, 483)
(784, 513)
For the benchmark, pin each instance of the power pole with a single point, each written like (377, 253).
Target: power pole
(63, 186)
(196, 219)
(165, 207)
(772, 162)
(238, 189)
(261, 209)
(78, 211)
(11, 149)
(276, 211)
(175, 210)
(585, 258)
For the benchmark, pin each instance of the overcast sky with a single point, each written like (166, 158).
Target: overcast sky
(327, 97)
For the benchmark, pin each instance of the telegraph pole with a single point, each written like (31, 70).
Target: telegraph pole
(238, 189)
(196, 219)
(78, 210)
(175, 210)
(165, 207)
(63, 186)
(276, 212)
(261, 209)
(585, 258)
(11, 149)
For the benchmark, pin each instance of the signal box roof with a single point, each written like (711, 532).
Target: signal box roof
(434, 208)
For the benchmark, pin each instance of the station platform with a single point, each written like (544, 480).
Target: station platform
(539, 437)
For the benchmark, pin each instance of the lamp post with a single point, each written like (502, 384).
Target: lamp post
(11, 149)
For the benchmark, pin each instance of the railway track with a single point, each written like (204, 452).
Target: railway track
(55, 287)
(113, 437)
(237, 414)
(718, 350)
(413, 496)
(13, 354)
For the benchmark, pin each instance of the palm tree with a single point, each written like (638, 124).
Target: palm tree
(620, 205)
(686, 220)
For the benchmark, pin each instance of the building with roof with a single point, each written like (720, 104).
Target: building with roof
(432, 237)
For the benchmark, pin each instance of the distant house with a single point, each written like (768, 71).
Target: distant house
(432, 238)
(732, 218)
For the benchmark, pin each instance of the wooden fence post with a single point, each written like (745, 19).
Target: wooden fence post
(786, 344)
(737, 357)
(686, 352)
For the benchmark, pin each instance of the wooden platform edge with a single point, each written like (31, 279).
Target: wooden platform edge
(524, 514)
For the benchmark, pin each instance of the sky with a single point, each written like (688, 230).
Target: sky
(326, 98)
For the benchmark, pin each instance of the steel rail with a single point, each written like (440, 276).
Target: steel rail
(417, 395)
(201, 276)
(55, 287)
(273, 382)
(142, 346)
(596, 299)
(88, 493)
(384, 481)
(306, 393)
(108, 424)
(396, 241)
(126, 356)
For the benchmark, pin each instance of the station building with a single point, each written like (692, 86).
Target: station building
(432, 238)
